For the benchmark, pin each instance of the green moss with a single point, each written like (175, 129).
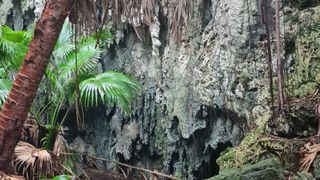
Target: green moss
(248, 151)
(244, 78)
(302, 4)
(255, 147)
(304, 77)
(268, 169)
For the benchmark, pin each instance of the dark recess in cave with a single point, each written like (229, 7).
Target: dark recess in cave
(211, 168)
(174, 158)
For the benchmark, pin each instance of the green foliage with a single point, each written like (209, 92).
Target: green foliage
(13, 47)
(52, 125)
(74, 68)
(5, 86)
(109, 88)
(62, 177)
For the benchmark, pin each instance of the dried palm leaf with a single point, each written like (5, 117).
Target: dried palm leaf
(92, 15)
(179, 20)
(309, 153)
(4, 176)
(30, 130)
(60, 146)
(33, 162)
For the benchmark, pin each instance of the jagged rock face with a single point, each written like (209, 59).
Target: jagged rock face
(20, 14)
(196, 99)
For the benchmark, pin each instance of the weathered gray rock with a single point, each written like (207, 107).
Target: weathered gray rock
(196, 99)
(20, 14)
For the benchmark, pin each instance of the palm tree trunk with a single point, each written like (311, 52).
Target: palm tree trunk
(16, 107)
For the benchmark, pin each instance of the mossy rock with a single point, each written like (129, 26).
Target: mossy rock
(269, 169)
(303, 4)
(303, 76)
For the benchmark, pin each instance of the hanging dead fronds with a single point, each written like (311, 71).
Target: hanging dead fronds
(179, 19)
(34, 163)
(30, 130)
(93, 15)
(148, 11)
(60, 147)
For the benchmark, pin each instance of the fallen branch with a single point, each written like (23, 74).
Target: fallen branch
(133, 167)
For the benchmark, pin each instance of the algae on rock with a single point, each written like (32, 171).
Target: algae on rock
(304, 73)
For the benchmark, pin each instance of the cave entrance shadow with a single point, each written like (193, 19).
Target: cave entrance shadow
(211, 168)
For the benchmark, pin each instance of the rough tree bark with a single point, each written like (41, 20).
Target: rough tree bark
(16, 107)
(279, 62)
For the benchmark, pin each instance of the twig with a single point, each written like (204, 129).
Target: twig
(133, 167)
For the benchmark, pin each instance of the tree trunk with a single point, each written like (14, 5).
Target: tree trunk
(279, 62)
(16, 107)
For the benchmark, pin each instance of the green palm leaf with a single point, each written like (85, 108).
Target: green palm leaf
(5, 86)
(13, 47)
(87, 60)
(109, 88)
(64, 45)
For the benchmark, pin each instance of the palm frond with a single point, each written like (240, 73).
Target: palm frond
(87, 60)
(308, 153)
(13, 46)
(10, 177)
(64, 45)
(34, 163)
(109, 88)
(5, 86)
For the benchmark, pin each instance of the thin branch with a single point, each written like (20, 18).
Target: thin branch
(133, 167)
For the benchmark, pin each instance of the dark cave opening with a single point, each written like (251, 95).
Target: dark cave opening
(174, 158)
(211, 168)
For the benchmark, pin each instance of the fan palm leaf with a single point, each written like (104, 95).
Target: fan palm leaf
(33, 162)
(4, 176)
(5, 86)
(109, 88)
(64, 45)
(13, 46)
(85, 60)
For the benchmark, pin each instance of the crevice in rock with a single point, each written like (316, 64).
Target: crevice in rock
(206, 13)
(163, 34)
(210, 167)
(174, 158)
